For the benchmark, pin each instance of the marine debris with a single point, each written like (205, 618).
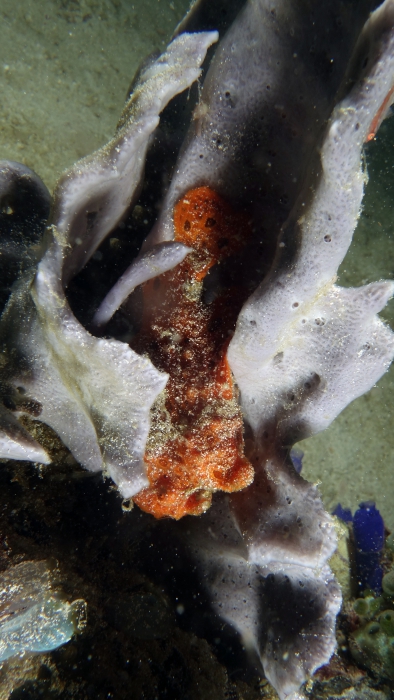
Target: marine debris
(244, 344)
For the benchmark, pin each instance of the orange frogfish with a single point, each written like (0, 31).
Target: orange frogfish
(195, 445)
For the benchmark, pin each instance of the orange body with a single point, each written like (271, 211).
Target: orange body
(195, 444)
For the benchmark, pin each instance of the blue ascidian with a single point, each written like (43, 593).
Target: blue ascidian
(368, 529)
(33, 616)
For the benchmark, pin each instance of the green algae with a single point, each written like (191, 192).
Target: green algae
(372, 643)
(388, 583)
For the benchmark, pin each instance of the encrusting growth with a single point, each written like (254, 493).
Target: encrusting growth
(195, 444)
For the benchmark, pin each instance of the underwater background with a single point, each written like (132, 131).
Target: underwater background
(66, 67)
(65, 70)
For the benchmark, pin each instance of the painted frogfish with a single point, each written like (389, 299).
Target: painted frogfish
(196, 444)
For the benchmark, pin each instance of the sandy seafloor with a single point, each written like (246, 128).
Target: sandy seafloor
(65, 68)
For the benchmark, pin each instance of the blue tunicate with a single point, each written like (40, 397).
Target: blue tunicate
(296, 456)
(34, 618)
(368, 529)
(43, 627)
(344, 514)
